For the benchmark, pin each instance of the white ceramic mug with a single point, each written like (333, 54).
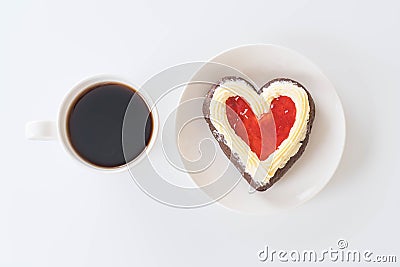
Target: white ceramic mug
(51, 130)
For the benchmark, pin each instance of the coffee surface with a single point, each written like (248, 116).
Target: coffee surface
(96, 121)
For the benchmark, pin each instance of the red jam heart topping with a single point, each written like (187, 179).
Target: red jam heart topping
(264, 134)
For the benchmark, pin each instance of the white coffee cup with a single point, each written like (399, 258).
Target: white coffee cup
(57, 130)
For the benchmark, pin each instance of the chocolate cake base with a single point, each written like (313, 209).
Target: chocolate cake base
(233, 157)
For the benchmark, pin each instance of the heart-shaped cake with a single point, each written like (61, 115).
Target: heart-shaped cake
(263, 132)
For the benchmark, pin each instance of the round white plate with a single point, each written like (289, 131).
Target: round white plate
(262, 63)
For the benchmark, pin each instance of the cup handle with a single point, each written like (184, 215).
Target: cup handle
(41, 130)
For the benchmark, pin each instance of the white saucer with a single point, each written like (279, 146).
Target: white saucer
(316, 166)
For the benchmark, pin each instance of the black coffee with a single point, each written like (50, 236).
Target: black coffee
(95, 124)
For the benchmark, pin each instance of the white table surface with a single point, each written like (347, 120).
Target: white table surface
(53, 212)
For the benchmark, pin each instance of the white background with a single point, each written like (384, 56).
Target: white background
(53, 212)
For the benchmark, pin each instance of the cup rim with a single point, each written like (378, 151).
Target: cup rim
(70, 98)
